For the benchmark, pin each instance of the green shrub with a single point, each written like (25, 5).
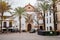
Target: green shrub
(51, 33)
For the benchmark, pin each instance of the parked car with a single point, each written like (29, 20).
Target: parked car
(23, 30)
(41, 32)
(32, 31)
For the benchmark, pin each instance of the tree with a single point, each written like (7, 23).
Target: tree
(54, 13)
(19, 11)
(3, 8)
(0, 25)
(44, 7)
(37, 21)
(28, 17)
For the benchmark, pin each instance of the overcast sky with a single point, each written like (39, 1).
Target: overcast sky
(16, 3)
(22, 3)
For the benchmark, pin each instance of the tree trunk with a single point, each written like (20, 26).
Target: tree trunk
(54, 7)
(20, 23)
(38, 26)
(44, 20)
(7, 30)
(1, 21)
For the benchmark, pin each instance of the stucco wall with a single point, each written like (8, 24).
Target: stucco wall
(58, 16)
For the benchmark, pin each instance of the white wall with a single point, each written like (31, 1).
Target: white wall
(23, 24)
(49, 24)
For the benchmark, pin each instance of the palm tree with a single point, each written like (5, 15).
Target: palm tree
(26, 17)
(19, 11)
(3, 8)
(54, 13)
(0, 24)
(44, 7)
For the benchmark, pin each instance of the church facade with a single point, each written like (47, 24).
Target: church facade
(31, 19)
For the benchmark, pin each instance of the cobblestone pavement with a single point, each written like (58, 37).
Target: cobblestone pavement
(26, 36)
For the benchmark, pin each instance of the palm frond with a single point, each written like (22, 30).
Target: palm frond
(54, 0)
(44, 6)
(5, 6)
(19, 10)
(36, 21)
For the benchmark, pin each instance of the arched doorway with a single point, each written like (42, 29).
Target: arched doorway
(5, 24)
(50, 28)
(29, 27)
(41, 27)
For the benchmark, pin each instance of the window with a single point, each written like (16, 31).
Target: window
(47, 14)
(50, 12)
(28, 7)
(47, 28)
(10, 24)
(50, 19)
(47, 20)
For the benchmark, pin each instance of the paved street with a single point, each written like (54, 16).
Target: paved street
(27, 36)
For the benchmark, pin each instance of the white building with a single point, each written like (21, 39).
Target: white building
(49, 21)
(31, 15)
(7, 22)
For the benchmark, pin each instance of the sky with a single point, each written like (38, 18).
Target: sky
(17, 3)
(28, 1)
(22, 3)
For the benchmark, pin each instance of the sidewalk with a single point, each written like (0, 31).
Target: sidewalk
(27, 36)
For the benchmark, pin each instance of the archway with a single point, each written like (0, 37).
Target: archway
(41, 27)
(5, 24)
(50, 28)
(29, 27)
